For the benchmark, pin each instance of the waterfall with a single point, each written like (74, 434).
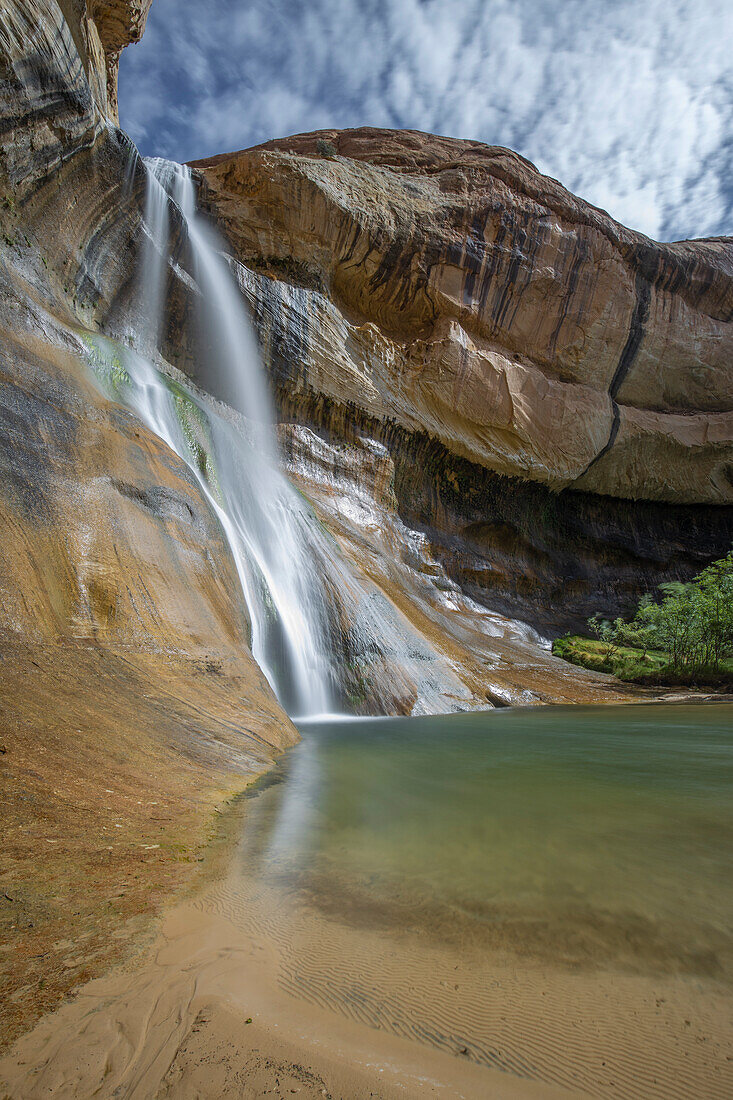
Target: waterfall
(326, 639)
(261, 514)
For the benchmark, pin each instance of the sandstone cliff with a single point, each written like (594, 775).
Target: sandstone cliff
(554, 389)
(108, 538)
(129, 702)
(58, 80)
(504, 406)
(528, 331)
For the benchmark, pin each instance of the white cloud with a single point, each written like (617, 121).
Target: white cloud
(630, 105)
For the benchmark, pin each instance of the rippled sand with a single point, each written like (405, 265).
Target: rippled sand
(300, 972)
(394, 1017)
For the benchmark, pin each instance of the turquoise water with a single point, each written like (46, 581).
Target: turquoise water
(585, 836)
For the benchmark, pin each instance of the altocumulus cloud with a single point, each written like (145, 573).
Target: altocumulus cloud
(628, 102)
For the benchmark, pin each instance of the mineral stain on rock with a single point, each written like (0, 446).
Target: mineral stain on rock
(514, 330)
(500, 401)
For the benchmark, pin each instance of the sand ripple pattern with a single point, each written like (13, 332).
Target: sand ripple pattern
(604, 1034)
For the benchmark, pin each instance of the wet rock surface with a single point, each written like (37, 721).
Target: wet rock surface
(556, 387)
(549, 559)
(499, 657)
(130, 705)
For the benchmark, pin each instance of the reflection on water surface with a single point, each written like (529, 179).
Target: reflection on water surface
(590, 835)
(545, 891)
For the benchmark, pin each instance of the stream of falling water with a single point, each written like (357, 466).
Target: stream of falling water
(259, 511)
(327, 640)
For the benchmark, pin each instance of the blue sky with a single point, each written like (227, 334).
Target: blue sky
(629, 103)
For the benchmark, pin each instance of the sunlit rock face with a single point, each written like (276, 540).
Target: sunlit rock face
(108, 543)
(113, 541)
(556, 388)
(58, 82)
(527, 326)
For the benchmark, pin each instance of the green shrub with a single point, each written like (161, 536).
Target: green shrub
(326, 149)
(685, 636)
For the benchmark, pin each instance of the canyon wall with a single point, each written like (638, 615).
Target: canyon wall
(108, 537)
(130, 705)
(508, 411)
(555, 390)
(58, 80)
(548, 392)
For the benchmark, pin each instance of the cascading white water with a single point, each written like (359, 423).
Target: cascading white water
(157, 224)
(326, 640)
(261, 513)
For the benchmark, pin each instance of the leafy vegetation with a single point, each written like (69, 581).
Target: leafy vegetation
(325, 148)
(685, 636)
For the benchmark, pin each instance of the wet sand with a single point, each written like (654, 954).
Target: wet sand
(229, 1003)
(206, 1018)
(517, 904)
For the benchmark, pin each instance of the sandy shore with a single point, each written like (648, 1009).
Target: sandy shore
(241, 998)
(204, 1017)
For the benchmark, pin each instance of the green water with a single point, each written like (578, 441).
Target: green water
(592, 837)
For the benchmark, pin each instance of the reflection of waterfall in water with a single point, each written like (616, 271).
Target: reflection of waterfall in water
(324, 639)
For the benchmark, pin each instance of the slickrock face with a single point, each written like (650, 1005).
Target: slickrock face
(107, 536)
(447, 295)
(525, 329)
(131, 705)
(58, 80)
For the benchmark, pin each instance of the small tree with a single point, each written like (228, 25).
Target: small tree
(715, 588)
(325, 148)
(607, 633)
(642, 631)
(692, 622)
